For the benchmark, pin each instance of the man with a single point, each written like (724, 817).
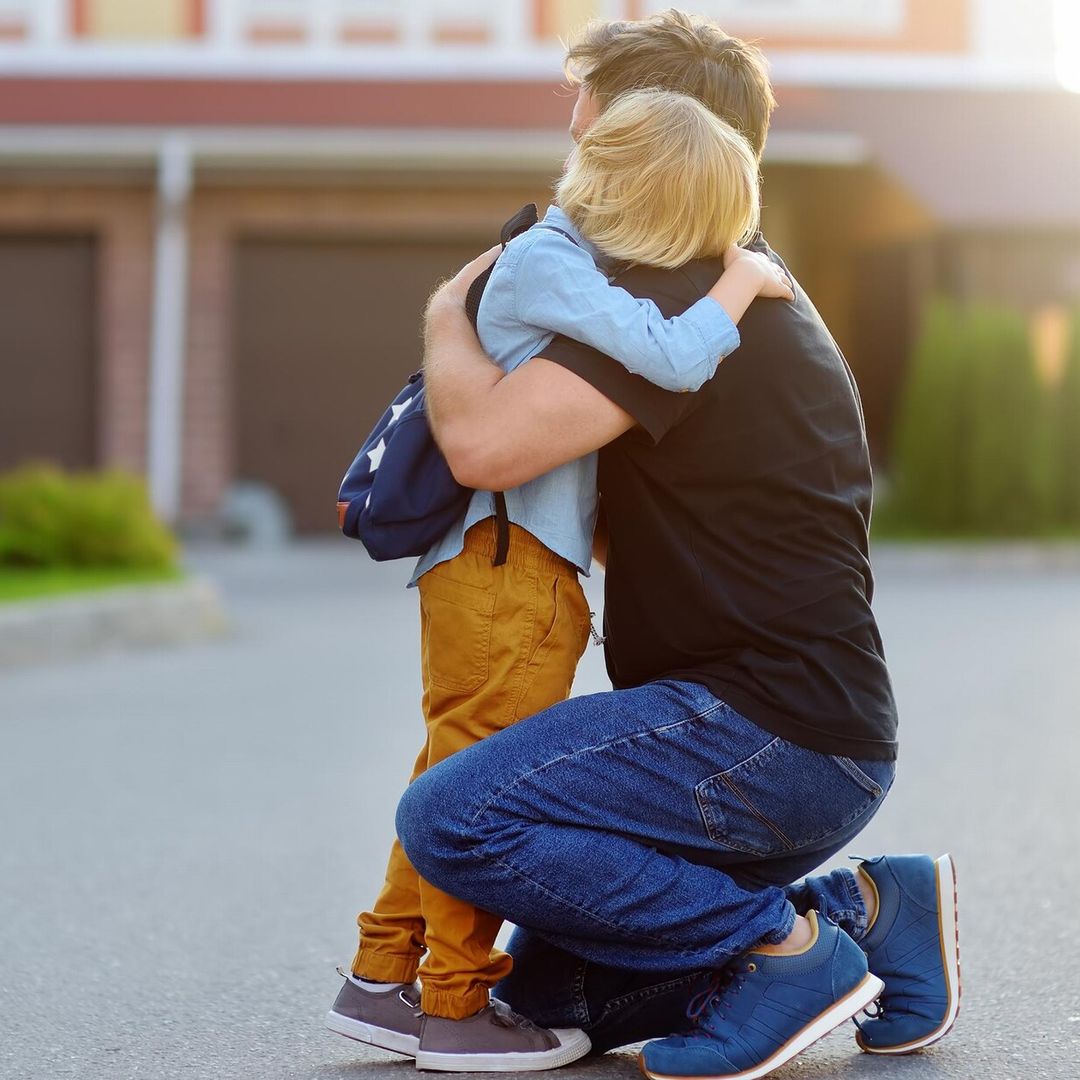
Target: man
(646, 839)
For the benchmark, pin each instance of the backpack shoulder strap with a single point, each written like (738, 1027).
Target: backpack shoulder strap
(561, 232)
(524, 219)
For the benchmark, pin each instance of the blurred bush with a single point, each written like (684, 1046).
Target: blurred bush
(1065, 444)
(985, 447)
(928, 454)
(50, 518)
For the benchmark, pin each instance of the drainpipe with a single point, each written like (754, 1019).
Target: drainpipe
(174, 179)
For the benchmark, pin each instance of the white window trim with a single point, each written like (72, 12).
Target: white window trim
(812, 18)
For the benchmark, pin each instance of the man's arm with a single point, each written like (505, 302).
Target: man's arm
(499, 431)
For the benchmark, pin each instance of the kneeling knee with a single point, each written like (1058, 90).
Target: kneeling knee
(429, 831)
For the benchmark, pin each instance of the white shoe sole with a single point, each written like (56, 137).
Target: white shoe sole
(945, 871)
(384, 1038)
(573, 1044)
(848, 1006)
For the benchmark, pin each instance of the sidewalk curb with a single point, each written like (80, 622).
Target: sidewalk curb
(52, 630)
(1019, 557)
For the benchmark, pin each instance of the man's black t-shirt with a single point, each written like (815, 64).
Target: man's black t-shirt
(738, 521)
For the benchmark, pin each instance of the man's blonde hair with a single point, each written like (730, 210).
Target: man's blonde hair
(686, 53)
(659, 179)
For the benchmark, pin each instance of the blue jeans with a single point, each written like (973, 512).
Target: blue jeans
(638, 838)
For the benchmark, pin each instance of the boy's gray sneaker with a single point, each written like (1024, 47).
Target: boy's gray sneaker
(388, 1018)
(496, 1039)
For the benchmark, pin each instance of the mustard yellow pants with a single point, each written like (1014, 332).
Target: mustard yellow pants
(497, 644)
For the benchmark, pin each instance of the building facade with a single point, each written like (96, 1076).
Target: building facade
(219, 219)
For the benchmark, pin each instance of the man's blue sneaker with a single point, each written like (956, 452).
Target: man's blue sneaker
(765, 1008)
(912, 945)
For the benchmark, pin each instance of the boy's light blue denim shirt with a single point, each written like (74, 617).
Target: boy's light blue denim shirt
(545, 283)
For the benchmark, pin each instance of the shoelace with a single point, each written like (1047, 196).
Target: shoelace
(722, 987)
(895, 999)
(874, 1011)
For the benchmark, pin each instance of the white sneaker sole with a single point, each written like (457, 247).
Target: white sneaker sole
(945, 870)
(384, 1038)
(848, 1006)
(573, 1044)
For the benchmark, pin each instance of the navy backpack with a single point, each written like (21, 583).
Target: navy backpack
(399, 496)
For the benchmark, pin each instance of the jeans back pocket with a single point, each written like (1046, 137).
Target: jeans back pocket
(784, 798)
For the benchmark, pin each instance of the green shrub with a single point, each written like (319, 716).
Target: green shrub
(973, 452)
(930, 445)
(1008, 472)
(51, 518)
(1066, 434)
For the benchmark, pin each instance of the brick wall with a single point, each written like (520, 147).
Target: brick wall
(120, 219)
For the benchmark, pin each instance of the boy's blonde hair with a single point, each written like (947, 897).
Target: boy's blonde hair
(659, 179)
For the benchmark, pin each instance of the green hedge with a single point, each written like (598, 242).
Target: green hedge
(50, 518)
(983, 447)
(1065, 435)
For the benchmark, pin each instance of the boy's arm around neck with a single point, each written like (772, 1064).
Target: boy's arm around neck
(557, 287)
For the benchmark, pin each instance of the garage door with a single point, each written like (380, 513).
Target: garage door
(47, 353)
(325, 334)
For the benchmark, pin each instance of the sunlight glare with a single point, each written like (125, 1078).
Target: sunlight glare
(1067, 43)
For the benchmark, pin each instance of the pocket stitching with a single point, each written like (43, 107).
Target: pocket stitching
(769, 824)
(712, 826)
(473, 599)
(462, 686)
(867, 783)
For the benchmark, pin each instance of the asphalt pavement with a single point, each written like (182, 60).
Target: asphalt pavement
(187, 834)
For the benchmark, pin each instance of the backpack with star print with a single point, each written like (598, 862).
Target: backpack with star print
(399, 496)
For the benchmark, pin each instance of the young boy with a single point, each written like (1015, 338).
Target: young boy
(658, 179)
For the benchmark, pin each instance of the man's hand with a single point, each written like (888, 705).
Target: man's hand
(499, 431)
(448, 333)
(456, 289)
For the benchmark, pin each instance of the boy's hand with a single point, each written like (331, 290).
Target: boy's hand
(773, 282)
